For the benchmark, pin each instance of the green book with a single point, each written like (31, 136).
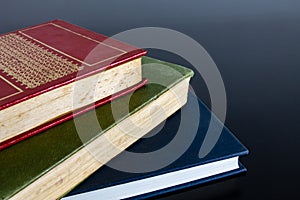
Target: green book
(50, 164)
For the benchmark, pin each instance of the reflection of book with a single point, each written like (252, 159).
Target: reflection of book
(50, 164)
(57, 67)
(186, 171)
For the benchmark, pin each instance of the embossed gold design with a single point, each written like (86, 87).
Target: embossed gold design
(31, 64)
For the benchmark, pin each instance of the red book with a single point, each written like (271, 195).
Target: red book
(51, 69)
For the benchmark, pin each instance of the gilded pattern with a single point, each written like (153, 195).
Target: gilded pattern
(31, 64)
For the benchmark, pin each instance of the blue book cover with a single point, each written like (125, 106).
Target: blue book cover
(168, 158)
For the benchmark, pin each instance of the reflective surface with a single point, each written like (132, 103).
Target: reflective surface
(256, 46)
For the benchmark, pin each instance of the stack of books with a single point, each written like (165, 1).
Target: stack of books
(71, 100)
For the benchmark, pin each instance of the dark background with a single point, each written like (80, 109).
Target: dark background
(256, 46)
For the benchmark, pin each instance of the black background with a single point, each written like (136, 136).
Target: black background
(256, 46)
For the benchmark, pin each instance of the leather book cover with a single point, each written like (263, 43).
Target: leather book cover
(106, 177)
(39, 69)
(41, 58)
(28, 162)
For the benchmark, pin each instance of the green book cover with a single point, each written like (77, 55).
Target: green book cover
(27, 161)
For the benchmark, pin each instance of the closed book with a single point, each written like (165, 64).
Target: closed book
(50, 164)
(57, 67)
(116, 181)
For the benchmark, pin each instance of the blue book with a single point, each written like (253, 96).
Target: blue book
(169, 158)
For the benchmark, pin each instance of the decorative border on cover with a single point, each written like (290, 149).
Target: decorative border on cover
(84, 36)
(19, 90)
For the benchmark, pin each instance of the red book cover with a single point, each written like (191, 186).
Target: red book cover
(45, 57)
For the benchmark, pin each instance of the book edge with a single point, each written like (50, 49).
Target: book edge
(200, 182)
(7, 143)
(18, 193)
